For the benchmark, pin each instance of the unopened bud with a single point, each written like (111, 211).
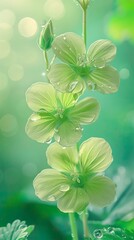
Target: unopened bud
(84, 3)
(46, 36)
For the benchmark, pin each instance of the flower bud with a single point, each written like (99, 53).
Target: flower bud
(46, 36)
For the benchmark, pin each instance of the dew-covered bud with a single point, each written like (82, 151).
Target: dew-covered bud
(46, 36)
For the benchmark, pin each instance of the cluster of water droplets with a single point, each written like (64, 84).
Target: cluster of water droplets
(63, 188)
(110, 231)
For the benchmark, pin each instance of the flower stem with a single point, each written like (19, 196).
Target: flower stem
(87, 234)
(73, 226)
(85, 25)
(46, 59)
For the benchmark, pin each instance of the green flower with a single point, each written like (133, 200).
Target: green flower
(76, 178)
(58, 114)
(82, 69)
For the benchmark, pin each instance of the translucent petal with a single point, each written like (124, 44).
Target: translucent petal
(68, 134)
(41, 96)
(106, 80)
(85, 111)
(62, 159)
(95, 155)
(66, 99)
(69, 47)
(41, 128)
(47, 185)
(100, 52)
(101, 191)
(75, 200)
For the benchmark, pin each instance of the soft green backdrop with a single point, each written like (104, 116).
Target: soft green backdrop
(21, 64)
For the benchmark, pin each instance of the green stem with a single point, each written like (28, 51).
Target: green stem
(85, 25)
(46, 59)
(73, 226)
(87, 234)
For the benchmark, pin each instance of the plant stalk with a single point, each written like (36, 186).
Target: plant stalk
(73, 226)
(85, 25)
(46, 60)
(87, 234)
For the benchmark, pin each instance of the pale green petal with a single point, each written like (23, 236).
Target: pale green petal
(41, 128)
(75, 200)
(95, 155)
(85, 111)
(48, 185)
(101, 191)
(41, 96)
(68, 134)
(66, 99)
(69, 48)
(62, 159)
(106, 80)
(101, 52)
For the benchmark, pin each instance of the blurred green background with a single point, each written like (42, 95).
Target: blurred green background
(21, 64)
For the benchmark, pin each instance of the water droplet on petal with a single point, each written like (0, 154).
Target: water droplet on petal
(77, 128)
(72, 86)
(51, 198)
(91, 86)
(64, 188)
(57, 138)
(98, 233)
(48, 141)
(64, 38)
(35, 117)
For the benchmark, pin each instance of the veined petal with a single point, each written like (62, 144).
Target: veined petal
(69, 47)
(64, 78)
(41, 96)
(68, 134)
(48, 185)
(85, 111)
(106, 80)
(101, 52)
(101, 191)
(66, 99)
(75, 200)
(95, 155)
(40, 128)
(62, 159)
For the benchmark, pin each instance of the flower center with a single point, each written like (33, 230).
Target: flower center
(77, 180)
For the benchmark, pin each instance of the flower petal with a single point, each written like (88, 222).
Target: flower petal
(62, 159)
(75, 200)
(48, 185)
(40, 128)
(41, 96)
(101, 52)
(85, 111)
(64, 78)
(68, 134)
(101, 191)
(69, 47)
(66, 99)
(106, 80)
(95, 155)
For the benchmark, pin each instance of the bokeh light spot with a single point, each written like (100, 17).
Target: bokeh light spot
(16, 72)
(8, 125)
(54, 9)
(3, 81)
(124, 73)
(4, 49)
(7, 16)
(27, 27)
(6, 31)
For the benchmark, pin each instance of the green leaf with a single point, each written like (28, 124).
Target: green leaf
(86, 111)
(15, 231)
(69, 47)
(68, 134)
(65, 79)
(41, 96)
(41, 128)
(101, 52)
(75, 200)
(95, 155)
(46, 36)
(101, 191)
(48, 185)
(106, 80)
